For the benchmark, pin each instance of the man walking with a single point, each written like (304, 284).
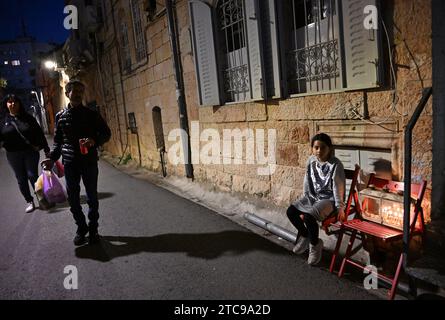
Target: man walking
(79, 132)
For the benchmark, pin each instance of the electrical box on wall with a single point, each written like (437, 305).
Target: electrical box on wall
(132, 123)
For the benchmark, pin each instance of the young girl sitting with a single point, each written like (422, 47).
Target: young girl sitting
(324, 191)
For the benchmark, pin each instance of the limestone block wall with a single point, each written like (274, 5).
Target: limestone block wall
(298, 119)
(295, 119)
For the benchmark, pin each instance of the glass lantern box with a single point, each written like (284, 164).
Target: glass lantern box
(383, 207)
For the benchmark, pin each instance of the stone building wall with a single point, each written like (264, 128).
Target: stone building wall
(295, 119)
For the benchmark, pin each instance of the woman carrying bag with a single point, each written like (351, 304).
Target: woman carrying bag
(22, 138)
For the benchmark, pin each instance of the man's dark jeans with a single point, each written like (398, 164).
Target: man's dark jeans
(89, 174)
(26, 167)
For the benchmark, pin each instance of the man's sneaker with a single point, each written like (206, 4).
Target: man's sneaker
(30, 207)
(315, 253)
(302, 245)
(79, 239)
(93, 238)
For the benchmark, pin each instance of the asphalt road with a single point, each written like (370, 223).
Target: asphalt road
(155, 245)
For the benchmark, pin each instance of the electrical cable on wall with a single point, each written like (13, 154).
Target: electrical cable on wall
(393, 107)
(352, 112)
(412, 57)
(392, 73)
(357, 114)
(126, 147)
(422, 84)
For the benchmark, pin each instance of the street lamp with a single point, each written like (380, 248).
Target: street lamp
(63, 77)
(50, 65)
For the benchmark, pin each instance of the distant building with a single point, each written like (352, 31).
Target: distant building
(75, 58)
(18, 61)
(50, 83)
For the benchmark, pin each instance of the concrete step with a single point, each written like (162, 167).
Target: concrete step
(428, 273)
(429, 269)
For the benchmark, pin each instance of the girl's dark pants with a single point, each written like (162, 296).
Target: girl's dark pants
(307, 227)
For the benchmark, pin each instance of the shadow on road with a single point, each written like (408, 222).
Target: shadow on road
(83, 200)
(199, 245)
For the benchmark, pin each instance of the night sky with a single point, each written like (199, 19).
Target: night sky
(43, 19)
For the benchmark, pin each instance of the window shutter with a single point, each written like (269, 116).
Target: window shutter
(269, 30)
(349, 158)
(205, 55)
(252, 14)
(362, 61)
(372, 161)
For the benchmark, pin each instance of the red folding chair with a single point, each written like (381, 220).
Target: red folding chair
(332, 224)
(372, 229)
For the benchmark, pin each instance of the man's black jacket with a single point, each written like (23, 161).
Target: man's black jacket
(72, 124)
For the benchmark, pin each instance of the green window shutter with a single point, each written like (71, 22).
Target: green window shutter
(205, 54)
(361, 46)
(254, 46)
(269, 28)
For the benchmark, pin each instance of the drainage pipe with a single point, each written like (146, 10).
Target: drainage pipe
(119, 57)
(269, 226)
(290, 236)
(183, 118)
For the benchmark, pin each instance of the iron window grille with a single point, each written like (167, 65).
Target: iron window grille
(231, 24)
(126, 55)
(259, 49)
(139, 38)
(312, 56)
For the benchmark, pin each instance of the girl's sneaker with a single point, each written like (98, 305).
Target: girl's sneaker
(302, 245)
(315, 253)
